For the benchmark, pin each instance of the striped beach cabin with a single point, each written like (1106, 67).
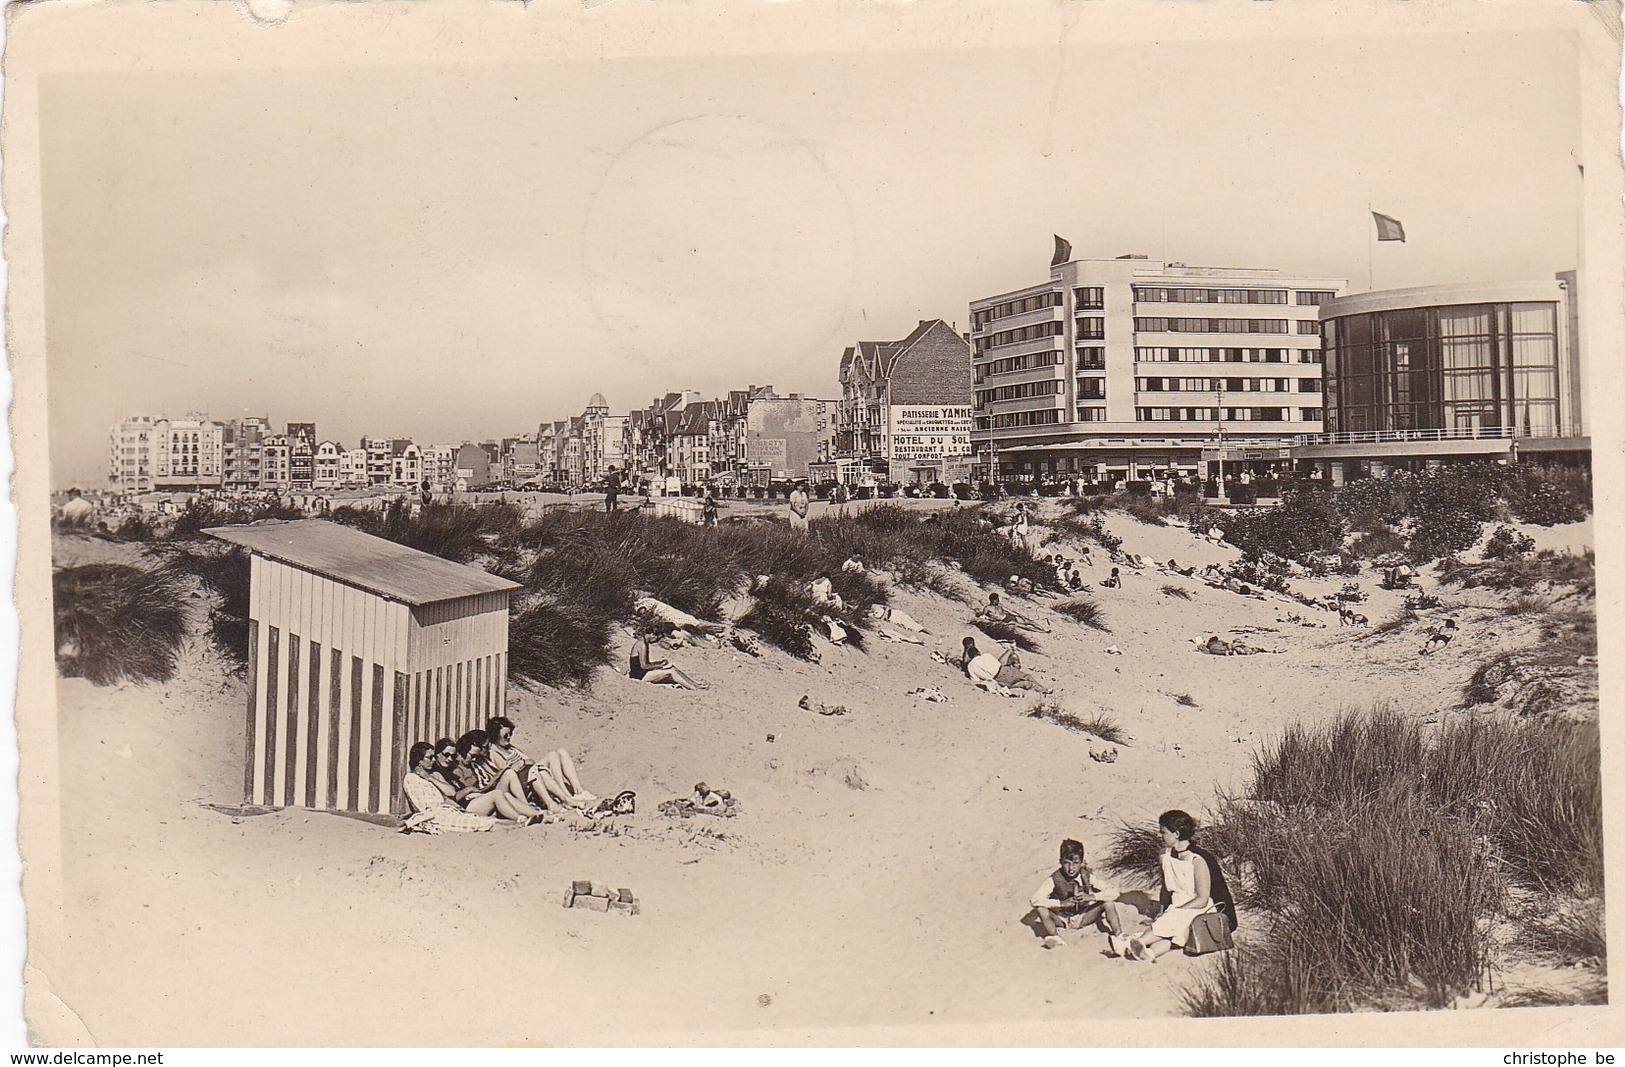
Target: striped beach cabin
(359, 647)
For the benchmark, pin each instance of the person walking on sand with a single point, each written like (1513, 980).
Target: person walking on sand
(799, 503)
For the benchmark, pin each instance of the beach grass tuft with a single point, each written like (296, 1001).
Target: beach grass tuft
(1086, 611)
(1376, 858)
(114, 622)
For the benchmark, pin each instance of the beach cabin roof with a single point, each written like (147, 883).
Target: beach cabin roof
(371, 563)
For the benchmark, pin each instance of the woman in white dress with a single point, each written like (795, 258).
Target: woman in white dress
(1187, 891)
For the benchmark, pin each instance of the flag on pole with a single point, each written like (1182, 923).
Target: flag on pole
(1388, 229)
(1063, 251)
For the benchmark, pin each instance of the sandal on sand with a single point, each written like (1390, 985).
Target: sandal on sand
(1115, 946)
(1053, 941)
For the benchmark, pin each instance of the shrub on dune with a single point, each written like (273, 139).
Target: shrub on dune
(1005, 633)
(556, 645)
(223, 572)
(1378, 859)
(115, 622)
(1086, 611)
(199, 515)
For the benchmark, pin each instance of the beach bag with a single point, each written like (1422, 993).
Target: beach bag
(1209, 932)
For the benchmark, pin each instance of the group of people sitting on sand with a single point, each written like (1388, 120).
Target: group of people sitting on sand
(483, 779)
(1072, 898)
(1069, 575)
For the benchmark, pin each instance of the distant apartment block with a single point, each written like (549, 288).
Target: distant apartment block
(1129, 366)
(166, 455)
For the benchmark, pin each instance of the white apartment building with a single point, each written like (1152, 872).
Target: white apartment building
(407, 468)
(166, 455)
(353, 467)
(329, 473)
(1128, 367)
(129, 455)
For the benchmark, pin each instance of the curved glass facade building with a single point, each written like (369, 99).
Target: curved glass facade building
(1454, 362)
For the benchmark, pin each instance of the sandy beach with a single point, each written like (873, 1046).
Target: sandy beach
(879, 856)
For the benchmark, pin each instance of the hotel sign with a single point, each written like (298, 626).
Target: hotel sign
(919, 431)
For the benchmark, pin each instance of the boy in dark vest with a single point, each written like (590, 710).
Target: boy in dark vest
(1067, 899)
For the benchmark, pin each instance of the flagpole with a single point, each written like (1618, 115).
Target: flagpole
(1370, 245)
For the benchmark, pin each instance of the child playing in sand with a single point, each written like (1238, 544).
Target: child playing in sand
(1069, 899)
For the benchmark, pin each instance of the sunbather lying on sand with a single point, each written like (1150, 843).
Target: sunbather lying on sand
(1004, 669)
(1173, 567)
(682, 620)
(995, 611)
(1439, 638)
(897, 617)
(645, 667)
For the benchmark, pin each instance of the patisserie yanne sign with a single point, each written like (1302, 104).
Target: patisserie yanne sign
(929, 431)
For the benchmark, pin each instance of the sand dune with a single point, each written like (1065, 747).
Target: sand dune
(876, 875)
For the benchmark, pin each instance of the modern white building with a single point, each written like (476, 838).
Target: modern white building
(1126, 367)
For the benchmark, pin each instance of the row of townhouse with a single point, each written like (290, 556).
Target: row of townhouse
(193, 453)
(749, 437)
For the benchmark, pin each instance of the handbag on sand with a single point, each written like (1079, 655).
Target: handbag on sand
(1209, 932)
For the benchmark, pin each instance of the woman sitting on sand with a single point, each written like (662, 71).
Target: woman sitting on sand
(823, 593)
(477, 771)
(646, 668)
(552, 779)
(1113, 580)
(1189, 889)
(1004, 669)
(434, 810)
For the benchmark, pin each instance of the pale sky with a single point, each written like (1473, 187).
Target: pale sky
(451, 253)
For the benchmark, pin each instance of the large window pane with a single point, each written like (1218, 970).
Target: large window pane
(1465, 354)
(1410, 323)
(1535, 351)
(1464, 321)
(1534, 318)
